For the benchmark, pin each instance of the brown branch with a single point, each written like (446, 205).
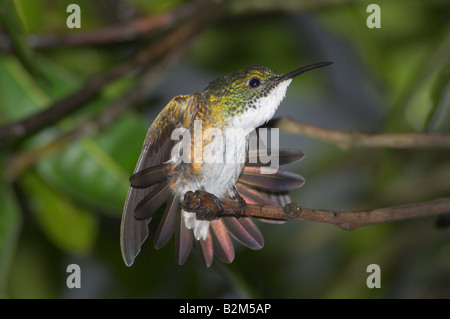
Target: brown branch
(289, 6)
(348, 140)
(128, 31)
(202, 204)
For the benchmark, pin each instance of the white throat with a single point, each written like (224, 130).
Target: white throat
(265, 108)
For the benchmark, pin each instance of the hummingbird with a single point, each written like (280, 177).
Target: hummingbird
(239, 102)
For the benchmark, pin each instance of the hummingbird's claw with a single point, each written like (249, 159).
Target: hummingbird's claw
(207, 206)
(242, 206)
(218, 203)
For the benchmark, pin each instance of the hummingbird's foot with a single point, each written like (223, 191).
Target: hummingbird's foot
(218, 203)
(242, 206)
(205, 205)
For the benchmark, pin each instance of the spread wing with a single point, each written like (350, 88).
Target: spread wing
(155, 151)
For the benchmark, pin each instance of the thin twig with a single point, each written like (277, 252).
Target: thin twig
(347, 140)
(205, 208)
(128, 31)
(251, 6)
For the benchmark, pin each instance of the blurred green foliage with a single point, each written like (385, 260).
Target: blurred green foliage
(66, 208)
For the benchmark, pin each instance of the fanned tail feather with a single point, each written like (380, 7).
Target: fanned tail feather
(223, 247)
(206, 249)
(183, 240)
(279, 181)
(244, 231)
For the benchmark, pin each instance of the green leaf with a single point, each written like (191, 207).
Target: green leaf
(20, 95)
(438, 91)
(66, 225)
(94, 169)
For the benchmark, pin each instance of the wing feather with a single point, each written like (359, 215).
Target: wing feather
(155, 151)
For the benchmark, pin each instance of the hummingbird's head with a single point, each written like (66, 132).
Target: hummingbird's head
(249, 97)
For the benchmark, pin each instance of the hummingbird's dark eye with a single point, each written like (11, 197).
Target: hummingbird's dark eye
(254, 83)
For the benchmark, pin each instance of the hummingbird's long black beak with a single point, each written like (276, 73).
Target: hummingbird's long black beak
(294, 73)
